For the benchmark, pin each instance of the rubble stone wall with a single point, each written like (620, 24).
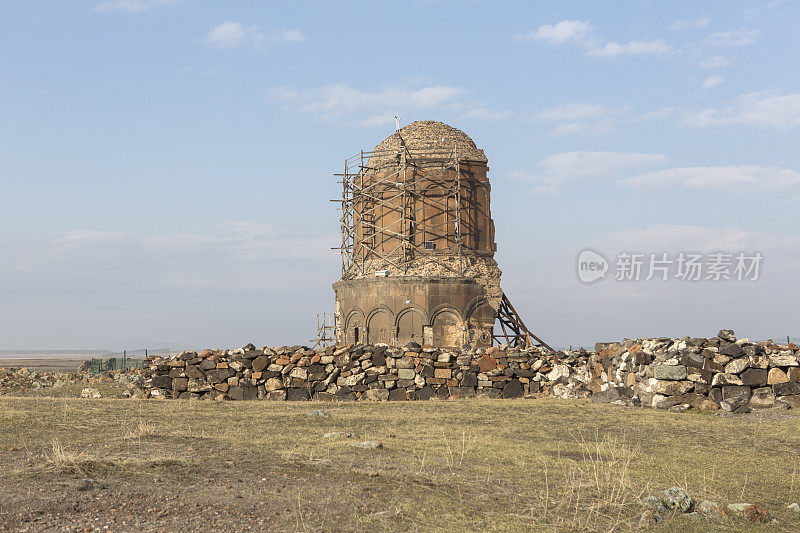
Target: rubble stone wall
(677, 374)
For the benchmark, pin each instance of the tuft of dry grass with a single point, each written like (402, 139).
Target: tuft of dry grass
(61, 455)
(143, 430)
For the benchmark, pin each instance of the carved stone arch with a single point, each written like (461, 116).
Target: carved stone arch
(354, 326)
(380, 326)
(410, 322)
(480, 321)
(448, 328)
(446, 307)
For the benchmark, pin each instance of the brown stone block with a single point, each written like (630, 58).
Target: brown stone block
(260, 363)
(486, 363)
(444, 373)
(754, 377)
(180, 384)
(405, 362)
(222, 387)
(276, 395)
(222, 365)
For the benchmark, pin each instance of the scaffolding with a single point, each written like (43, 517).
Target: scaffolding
(408, 207)
(325, 332)
(514, 333)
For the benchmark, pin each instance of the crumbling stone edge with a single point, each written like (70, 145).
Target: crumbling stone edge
(675, 374)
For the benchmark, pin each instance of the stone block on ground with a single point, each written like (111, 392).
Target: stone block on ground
(612, 394)
(513, 389)
(376, 395)
(242, 393)
(296, 394)
(762, 398)
(677, 499)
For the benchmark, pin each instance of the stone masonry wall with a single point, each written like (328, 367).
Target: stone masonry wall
(677, 374)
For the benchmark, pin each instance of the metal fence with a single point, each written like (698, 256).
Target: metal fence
(110, 364)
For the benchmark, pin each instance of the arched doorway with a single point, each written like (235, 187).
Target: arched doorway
(354, 327)
(409, 326)
(447, 330)
(380, 328)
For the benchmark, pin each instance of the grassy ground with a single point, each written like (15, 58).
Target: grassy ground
(466, 465)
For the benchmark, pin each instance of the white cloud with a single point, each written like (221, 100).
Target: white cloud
(581, 33)
(713, 81)
(655, 47)
(245, 240)
(227, 34)
(576, 167)
(133, 6)
(566, 31)
(289, 36)
(655, 114)
(580, 167)
(579, 118)
(488, 115)
(754, 109)
(749, 179)
(567, 129)
(738, 37)
(673, 238)
(370, 108)
(697, 23)
(713, 61)
(231, 34)
(376, 120)
(682, 237)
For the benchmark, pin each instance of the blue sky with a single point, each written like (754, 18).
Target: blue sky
(166, 165)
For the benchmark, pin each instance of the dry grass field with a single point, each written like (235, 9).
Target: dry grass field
(465, 465)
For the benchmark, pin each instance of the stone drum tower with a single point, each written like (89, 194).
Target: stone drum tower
(418, 245)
